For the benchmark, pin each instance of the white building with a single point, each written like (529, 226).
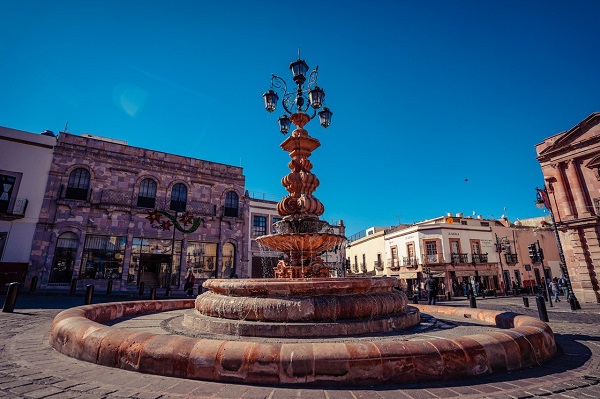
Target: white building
(25, 160)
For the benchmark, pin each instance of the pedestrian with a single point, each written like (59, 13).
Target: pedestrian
(431, 287)
(562, 284)
(477, 286)
(469, 290)
(190, 279)
(514, 287)
(554, 287)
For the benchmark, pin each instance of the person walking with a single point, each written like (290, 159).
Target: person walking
(554, 287)
(431, 287)
(190, 279)
(562, 284)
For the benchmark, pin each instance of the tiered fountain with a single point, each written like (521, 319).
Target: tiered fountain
(301, 307)
(302, 300)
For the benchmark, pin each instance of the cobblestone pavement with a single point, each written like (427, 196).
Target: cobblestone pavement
(30, 368)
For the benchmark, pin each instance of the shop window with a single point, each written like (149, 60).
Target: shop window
(202, 259)
(79, 184)
(147, 194)
(178, 197)
(231, 204)
(103, 257)
(64, 258)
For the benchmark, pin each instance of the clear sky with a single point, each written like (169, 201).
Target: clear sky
(425, 94)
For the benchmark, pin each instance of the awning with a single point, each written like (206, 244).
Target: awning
(406, 275)
(438, 274)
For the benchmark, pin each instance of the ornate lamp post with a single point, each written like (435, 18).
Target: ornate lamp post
(295, 102)
(542, 200)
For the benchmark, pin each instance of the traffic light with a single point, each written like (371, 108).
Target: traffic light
(532, 252)
(540, 253)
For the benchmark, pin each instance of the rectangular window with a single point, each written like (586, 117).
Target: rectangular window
(431, 251)
(201, 258)
(7, 184)
(103, 257)
(259, 226)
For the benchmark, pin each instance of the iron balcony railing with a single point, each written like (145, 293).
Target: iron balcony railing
(393, 264)
(409, 261)
(460, 258)
(511, 259)
(363, 267)
(479, 258)
(111, 197)
(73, 193)
(378, 265)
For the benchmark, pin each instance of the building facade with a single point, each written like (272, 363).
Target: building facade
(458, 250)
(25, 160)
(570, 163)
(108, 214)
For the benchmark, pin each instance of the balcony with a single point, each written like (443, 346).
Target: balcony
(459, 259)
(354, 268)
(393, 264)
(363, 267)
(409, 261)
(433, 259)
(118, 198)
(378, 265)
(511, 259)
(479, 258)
(16, 211)
(232, 212)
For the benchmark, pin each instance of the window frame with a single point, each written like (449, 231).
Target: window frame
(78, 185)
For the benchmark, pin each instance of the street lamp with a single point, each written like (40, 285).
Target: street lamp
(542, 200)
(298, 101)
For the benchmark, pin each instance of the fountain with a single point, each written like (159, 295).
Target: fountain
(302, 327)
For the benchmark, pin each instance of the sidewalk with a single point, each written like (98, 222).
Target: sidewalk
(29, 368)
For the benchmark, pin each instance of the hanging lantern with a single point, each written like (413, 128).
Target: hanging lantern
(270, 98)
(325, 117)
(299, 69)
(284, 124)
(316, 97)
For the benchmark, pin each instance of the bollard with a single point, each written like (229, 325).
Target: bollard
(33, 286)
(473, 301)
(168, 292)
(541, 305)
(152, 293)
(525, 301)
(141, 292)
(416, 299)
(109, 287)
(449, 297)
(11, 298)
(89, 294)
(572, 302)
(73, 286)
(550, 299)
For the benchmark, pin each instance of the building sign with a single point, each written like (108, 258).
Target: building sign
(464, 273)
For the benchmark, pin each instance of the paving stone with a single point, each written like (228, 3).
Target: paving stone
(43, 392)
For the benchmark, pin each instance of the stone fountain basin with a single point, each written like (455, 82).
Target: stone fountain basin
(300, 287)
(310, 243)
(523, 342)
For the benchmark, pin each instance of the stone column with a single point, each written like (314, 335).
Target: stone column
(577, 191)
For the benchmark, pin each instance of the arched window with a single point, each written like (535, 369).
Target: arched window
(147, 194)
(64, 258)
(178, 197)
(79, 184)
(231, 204)
(228, 269)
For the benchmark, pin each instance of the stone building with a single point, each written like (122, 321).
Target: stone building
(570, 163)
(101, 198)
(24, 165)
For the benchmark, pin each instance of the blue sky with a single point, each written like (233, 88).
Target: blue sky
(425, 94)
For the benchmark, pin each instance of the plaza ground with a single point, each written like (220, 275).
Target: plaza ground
(30, 368)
